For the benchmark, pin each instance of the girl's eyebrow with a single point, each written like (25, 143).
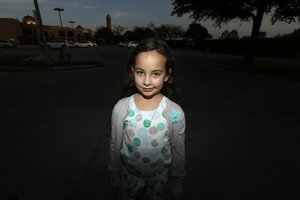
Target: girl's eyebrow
(156, 70)
(138, 68)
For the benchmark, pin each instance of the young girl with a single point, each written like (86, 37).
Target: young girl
(147, 146)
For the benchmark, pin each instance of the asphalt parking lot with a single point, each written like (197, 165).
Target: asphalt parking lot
(241, 138)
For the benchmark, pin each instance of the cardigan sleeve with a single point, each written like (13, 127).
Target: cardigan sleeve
(112, 163)
(119, 112)
(177, 168)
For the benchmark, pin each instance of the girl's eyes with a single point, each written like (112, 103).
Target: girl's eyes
(156, 74)
(141, 73)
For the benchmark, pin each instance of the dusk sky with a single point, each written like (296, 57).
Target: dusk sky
(128, 13)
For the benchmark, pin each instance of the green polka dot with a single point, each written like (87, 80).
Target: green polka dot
(146, 160)
(147, 123)
(131, 113)
(129, 147)
(160, 126)
(137, 142)
(163, 150)
(126, 123)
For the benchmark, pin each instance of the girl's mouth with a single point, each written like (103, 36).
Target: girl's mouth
(147, 89)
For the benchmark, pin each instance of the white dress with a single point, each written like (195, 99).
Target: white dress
(145, 149)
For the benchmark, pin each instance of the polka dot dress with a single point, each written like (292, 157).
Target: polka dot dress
(145, 147)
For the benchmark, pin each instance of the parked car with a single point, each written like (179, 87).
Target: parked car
(58, 43)
(122, 44)
(72, 43)
(84, 43)
(95, 44)
(8, 43)
(132, 44)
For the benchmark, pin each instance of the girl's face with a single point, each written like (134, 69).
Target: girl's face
(150, 73)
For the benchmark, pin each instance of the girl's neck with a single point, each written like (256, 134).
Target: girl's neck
(147, 104)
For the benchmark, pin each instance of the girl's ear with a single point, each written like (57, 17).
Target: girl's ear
(132, 68)
(168, 75)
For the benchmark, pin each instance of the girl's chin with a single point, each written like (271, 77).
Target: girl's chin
(147, 95)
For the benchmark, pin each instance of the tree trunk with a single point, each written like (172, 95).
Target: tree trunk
(257, 20)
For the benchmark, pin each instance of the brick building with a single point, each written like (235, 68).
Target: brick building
(10, 29)
(27, 31)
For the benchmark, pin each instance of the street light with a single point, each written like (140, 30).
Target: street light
(127, 34)
(59, 10)
(72, 22)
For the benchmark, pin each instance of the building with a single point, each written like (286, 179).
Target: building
(12, 29)
(27, 31)
(75, 34)
(108, 22)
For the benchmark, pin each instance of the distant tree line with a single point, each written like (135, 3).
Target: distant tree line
(197, 37)
(167, 32)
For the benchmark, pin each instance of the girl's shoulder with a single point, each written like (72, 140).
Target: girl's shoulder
(122, 103)
(171, 105)
(174, 111)
(123, 100)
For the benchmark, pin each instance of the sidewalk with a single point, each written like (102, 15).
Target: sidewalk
(69, 59)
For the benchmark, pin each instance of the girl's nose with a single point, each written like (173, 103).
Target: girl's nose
(147, 80)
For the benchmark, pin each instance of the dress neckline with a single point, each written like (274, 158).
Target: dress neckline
(153, 110)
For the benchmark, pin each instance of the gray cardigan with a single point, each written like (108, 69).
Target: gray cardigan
(176, 119)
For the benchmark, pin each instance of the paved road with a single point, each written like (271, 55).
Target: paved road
(76, 54)
(242, 131)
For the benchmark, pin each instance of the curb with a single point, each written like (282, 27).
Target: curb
(9, 69)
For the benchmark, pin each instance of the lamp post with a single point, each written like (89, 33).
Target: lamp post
(59, 10)
(41, 27)
(127, 34)
(72, 22)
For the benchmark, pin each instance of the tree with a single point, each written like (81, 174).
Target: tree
(199, 36)
(169, 31)
(197, 32)
(141, 33)
(166, 32)
(262, 34)
(118, 30)
(295, 34)
(232, 35)
(103, 34)
(224, 35)
(222, 11)
(151, 26)
(119, 34)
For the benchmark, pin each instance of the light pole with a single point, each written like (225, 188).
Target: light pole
(41, 27)
(72, 22)
(127, 34)
(59, 10)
